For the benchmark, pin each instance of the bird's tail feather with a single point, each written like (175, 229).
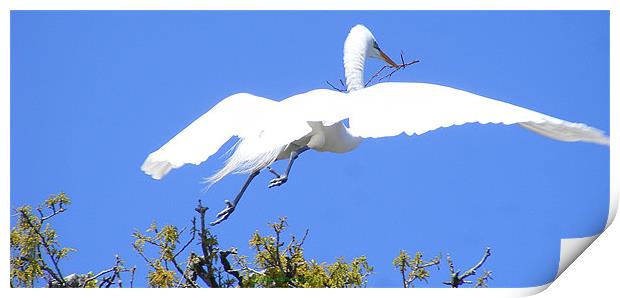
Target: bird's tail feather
(246, 159)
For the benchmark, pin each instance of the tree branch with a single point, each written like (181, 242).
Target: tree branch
(183, 273)
(54, 213)
(227, 267)
(457, 279)
(206, 249)
(400, 66)
(58, 275)
(190, 240)
(472, 270)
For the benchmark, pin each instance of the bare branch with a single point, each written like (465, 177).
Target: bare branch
(54, 213)
(336, 88)
(133, 273)
(227, 267)
(103, 272)
(303, 238)
(209, 275)
(472, 270)
(457, 279)
(403, 65)
(450, 263)
(193, 231)
(400, 66)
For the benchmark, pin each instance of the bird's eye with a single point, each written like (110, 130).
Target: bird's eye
(375, 45)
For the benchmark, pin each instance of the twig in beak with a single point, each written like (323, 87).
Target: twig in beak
(391, 64)
(396, 67)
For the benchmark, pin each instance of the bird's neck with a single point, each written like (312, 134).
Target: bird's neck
(354, 60)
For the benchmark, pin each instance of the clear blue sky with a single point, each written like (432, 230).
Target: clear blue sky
(92, 93)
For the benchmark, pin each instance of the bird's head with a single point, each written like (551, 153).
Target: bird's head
(361, 38)
(374, 51)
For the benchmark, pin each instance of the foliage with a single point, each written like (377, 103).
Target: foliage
(274, 264)
(32, 240)
(36, 252)
(36, 255)
(287, 267)
(416, 267)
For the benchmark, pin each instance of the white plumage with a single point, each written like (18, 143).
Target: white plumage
(269, 130)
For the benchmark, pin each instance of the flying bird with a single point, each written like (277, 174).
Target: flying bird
(269, 130)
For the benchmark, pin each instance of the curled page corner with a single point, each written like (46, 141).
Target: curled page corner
(570, 249)
(613, 198)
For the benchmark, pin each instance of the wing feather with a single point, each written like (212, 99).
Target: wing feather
(389, 109)
(237, 115)
(383, 110)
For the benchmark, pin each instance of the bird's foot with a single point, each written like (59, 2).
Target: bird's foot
(278, 181)
(224, 214)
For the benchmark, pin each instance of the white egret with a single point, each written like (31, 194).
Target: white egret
(270, 130)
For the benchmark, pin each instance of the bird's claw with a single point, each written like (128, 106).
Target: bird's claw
(277, 181)
(224, 214)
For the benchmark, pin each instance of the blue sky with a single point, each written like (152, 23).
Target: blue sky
(92, 93)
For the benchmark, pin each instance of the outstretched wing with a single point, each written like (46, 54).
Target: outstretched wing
(389, 109)
(237, 115)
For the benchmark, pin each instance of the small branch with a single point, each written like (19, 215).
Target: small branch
(183, 273)
(197, 268)
(277, 252)
(404, 278)
(55, 212)
(482, 281)
(117, 271)
(336, 88)
(143, 256)
(247, 268)
(403, 65)
(59, 277)
(133, 273)
(303, 238)
(400, 66)
(450, 264)
(108, 281)
(190, 240)
(203, 230)
(457, 279)
(227, 267)
(416, 265)
(206, 249)
(472, 270)
(431, 263)
(99, 274)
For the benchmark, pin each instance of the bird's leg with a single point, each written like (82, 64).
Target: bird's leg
(273, 171)
(230, 207)
(284, 177)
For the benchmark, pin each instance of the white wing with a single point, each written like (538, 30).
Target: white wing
(287, 123)
(264, 127)
(383, 110)
(389, 109)
(237, 115)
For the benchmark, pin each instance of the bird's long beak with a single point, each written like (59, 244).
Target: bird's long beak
(387, 59)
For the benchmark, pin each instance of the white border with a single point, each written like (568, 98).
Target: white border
(597, 270)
